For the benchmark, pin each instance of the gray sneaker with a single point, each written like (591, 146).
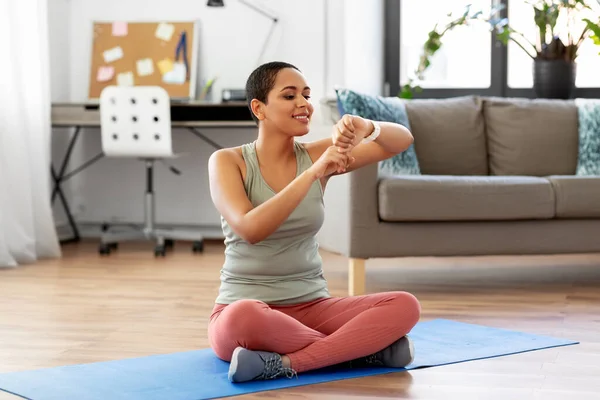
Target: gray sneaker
(397, 355)
(248, 365)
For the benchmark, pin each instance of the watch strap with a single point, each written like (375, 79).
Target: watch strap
(375, 134)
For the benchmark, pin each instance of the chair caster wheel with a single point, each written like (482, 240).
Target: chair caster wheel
(160, 251)
(198, 246)
(104, 249)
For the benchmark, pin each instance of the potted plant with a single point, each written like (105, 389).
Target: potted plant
(553, 54)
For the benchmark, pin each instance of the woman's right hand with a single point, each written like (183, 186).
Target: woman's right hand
(331, 161)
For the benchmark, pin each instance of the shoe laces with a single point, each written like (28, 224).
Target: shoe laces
(274, 368)
(373, 359)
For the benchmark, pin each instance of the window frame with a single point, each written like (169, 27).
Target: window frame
(499, 64)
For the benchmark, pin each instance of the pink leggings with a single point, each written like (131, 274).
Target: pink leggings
(317, 334)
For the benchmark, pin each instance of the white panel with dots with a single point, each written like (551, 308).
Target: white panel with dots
(135, 121)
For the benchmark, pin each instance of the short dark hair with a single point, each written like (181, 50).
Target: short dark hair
(261, 81)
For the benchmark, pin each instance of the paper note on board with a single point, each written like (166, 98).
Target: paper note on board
(119, 28)
(165, 65)
(164, 31)
(125, 79)
(177, 75)
(105, 73)
(145, 67)
(114, 54)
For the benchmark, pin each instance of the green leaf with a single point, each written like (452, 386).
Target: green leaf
(504, 36)
(467, 10)
(552, 16)
(433, 46)
(541, 20)
(594, 27)
(406, 93)
(434, 35)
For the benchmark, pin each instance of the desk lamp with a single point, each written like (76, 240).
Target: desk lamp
(220, 3)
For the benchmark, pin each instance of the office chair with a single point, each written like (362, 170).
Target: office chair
(136, 122)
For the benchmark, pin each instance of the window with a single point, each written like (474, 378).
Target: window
(465, 58)
(471, 60)
(520, 65)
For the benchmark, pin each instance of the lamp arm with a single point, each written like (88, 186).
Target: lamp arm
(265, 43)
(258, 10)
(271, 17)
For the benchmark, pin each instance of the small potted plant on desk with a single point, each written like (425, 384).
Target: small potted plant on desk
(553, 54)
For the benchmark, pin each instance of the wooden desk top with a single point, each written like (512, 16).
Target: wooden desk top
(183, 114)
(187, 103)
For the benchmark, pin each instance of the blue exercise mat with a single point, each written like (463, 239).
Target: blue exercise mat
(196, 375)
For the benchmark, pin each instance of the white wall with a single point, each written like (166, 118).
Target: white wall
(363, 45)
(313, 34)
(230, 37)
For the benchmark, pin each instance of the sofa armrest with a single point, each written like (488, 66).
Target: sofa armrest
(363, 214)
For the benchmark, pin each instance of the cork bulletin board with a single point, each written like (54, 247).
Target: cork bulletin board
(145, 53)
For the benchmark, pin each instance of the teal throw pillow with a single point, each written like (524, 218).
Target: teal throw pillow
(588, 162)
(378, 108)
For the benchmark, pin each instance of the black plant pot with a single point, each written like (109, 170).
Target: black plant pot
(554, 79)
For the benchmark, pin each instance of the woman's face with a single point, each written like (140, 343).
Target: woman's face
(288, 107)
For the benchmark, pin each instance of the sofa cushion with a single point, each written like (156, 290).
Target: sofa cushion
(465, 198)
(449, 135)
(377, 108)
(576, 196)
(535, 137)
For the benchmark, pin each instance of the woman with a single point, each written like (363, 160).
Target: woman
(273, 315)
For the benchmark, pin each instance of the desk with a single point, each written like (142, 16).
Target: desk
(188, 115)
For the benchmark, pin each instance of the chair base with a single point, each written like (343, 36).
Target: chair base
(164, 239)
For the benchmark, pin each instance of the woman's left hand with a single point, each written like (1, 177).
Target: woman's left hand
(349, 131)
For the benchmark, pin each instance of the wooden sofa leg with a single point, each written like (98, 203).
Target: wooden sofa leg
(356, 277)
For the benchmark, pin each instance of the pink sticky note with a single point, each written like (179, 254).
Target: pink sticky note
(119, 28)
(105, 74)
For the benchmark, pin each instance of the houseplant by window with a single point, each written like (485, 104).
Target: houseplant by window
(562, 26)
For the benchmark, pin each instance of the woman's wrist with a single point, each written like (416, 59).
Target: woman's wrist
(373, 132)
(371, 125)
(309, 174)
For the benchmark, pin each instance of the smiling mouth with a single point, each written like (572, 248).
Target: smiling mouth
(301, 117)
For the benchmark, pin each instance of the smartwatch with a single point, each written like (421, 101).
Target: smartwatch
(375, 134)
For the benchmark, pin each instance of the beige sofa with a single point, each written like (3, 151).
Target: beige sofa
(497, 178)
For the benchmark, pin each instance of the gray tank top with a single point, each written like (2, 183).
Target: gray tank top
(286, 267)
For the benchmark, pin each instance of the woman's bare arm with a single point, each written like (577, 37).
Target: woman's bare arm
(393, 139)
(253, 224)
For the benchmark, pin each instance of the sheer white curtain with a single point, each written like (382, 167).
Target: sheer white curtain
(27, 231)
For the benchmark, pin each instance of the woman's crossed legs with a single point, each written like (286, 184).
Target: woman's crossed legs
(313, 335)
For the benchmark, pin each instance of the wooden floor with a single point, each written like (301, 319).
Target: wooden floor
(85, 308)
